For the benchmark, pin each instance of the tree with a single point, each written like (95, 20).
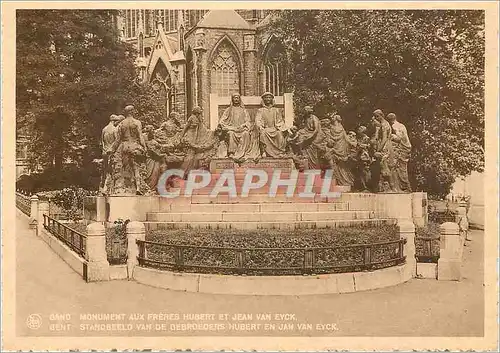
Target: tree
(72, 72)
(425, 66)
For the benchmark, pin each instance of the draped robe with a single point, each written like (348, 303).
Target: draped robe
(243, 137)
(402, 149)
(199, 141)
(271, 125)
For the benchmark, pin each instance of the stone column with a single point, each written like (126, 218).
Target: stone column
(43, 208)
(450, 252)
(202, 78)
(135, 231)
(97, 258)
(407, 231)
(249, 65)
(34, 212)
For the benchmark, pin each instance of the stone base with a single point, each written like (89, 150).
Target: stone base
(449, 270)
(285, 164)
(427, 270)
(272, 285)
(98, 271)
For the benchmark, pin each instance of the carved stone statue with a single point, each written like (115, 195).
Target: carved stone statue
(271, 125)
(168, 137)
(129, 151)
(341, 151)
(402, 150)
(384, 152)
(305, 142)
(364, 159)
(243, 136)
(199, 141)
(108, 137)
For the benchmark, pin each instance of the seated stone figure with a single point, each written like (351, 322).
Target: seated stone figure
(168, 137)
(243, 144)
(272, 126)
(306, 142)
(199, 142)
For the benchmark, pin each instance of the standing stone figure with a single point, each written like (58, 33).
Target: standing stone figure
(129, 149)
(271, 125)
(243, 135)
(402, 150)
(340, 152)
(384, 152)
(198, 139)
(108, 137)
(364, 159)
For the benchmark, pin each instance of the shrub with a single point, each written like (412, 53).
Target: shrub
(69, 200)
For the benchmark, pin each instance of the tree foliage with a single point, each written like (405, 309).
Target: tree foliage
(72, 72)
(425, 66)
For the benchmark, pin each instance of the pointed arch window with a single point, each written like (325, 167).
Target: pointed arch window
(225, 71)
(274, 68)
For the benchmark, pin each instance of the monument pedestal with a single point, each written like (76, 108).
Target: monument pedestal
(283, 164)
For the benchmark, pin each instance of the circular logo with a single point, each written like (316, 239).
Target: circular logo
(34, 321)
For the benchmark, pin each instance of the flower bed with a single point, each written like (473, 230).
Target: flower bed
(427, 243)
(271, 252)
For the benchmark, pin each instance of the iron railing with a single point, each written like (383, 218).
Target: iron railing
(75, 240)
(270, 261)
(427, 249)
(23, 202)
(442, 216)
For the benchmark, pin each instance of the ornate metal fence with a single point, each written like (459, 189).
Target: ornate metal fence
(75, 240)
(427, 249)
(23, 202)
(270, 261)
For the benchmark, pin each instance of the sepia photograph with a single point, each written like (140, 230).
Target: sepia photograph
(250, 176)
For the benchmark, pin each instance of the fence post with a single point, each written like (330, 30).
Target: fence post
(98, 265)
(135, 231)
(34, 212)
(43, 208)
(463, 220)
(407, 231)
(450, 252)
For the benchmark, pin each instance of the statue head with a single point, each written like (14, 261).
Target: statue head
(236, 100)
(325, 122)
(267, 98)
(351, 134)
(378, 115)
(308, 109)
(391, 118)
(129, 110)
(114, 119)
(197, 111)
(120, 118)
(361, 129)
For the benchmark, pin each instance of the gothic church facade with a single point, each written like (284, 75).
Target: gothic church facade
(190, 55)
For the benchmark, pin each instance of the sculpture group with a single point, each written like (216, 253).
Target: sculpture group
(134, 156)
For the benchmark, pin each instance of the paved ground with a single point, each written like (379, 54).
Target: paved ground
(421, 307)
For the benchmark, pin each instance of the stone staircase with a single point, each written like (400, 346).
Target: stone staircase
(263, 215)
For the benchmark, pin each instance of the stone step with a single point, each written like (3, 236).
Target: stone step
(270, 225)
(268, 207)
(260, 216)
(260, 198)
(254, 207)
(239, 179)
